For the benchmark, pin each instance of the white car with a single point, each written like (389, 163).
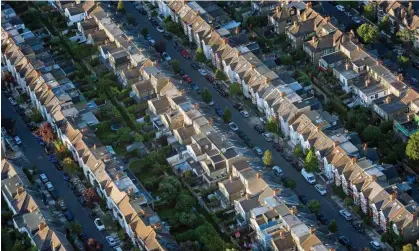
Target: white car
(320, 189)
(99, 224)
(345, 214)
(12, 101)
(152, 42)
(166, 56)
(258, 151)
(43, 178)
(233, 126)
(340, 8)
(203, 72)
(375, 245)
(267, 136)
(111, 240)
(117, 249)
(348, 14)
(244, 113)
(49, 186)
(278, 171)
(211, 103)
(17, 140)
(160, 29)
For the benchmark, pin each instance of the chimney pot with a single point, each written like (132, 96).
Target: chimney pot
(247, 196)
(41, 226)
(312, 230)
(353, 160)
(276, 192)
(393, 195)
(258, 175)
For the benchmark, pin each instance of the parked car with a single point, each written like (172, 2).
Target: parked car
(99, 225)
(58, 165)
(168, 36)
(83, 237)
(69, 216)
(210, 78)
(320, 189)
(112, 242)
(357, 19)
(142, 11)
(278, 171)
(176, 46)
(12, 101)
(238, 106)
(194, 87)
(166, 56)
(258, 151)
(348, 14)
(308, 176)
(233, 126)
(322, 219)
(54, 194)
(340, 8)
(244, 113)
(375, 245)
(43, 178)
(358, 225)
(248, 142)
(187, 79)
(303, 199)
(152, 42)
(62, 205)
(185, 54)
(345, 214)
(49, 186)
(224, 93)
(277, 147)
(203, 72)
(287, 156)
(17, 140)
(82, 200)
(219, 111)
(211, 102)
(268, 137)
(65, 176)
(344, 241)
(116, 248)
(195, 66)
(241, 134)
(259, 128)
(160, 29)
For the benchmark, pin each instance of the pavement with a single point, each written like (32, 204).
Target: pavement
(36, 156)
(328, 206)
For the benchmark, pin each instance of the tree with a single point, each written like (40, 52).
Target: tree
(92, 245)
(310, 163)
(333, 226)
(189, 246)
(412, 148)
(267, 158)
(227, 115)
(235, 89)
(188, 219)
(144, 32)
(91, 197)
(36, 116)
(291, 184)
(285, 59)
(160, 46)
(369, 11)
(408, 247)
(131, 19)
(75, 228)
(120, 7)
(405, 36)
(219, 75)
(154, 13)
(348, 202)
(368, 33)
(169, 188)
(46, 133)
(313, 206)
(138, 137)
(298, 151)
(185, 202)
(175, 65)
(200, 56)
(403, 60)
(69, 166)
(272, 126)
(385, 24)
(372, 133)
(206, 95)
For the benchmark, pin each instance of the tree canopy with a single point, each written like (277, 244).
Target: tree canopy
(372, 133)
(310, 163)
(235, 89)
(267, 158)
(313, 206)
(120, 7)
(333, 226)
(227, 115)
(412, 148)
(169, 188)
(206, 95)
(200, 57)
(368, 33)
(219, 75)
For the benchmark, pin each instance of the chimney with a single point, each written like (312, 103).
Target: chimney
(308, 5)
(353, 160)
(258, 175)
(295, 24)
(196, 106)
(231, 178)
(358, 48)
(388, 100)
(277, 9)
(304, 16)
(313, 39)
(276, 192)
(236, 30)
(253, 66)
(225, 40)
(374, 177)
(130, 191)
(335, 144)
(367, 82)
(408, 117)
(393, 195)
(282, 94)
(332, 249)
(94, 146)
(238, 53)
(328, 19)
(282, 234)
(266, 81)
(20, 190)
(365, 147)
(294, 210)
(312, 230)
(400, 77)
(348, 66)
(41, 226)
(247, 196)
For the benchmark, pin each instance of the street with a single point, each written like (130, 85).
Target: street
(36, 156)
(328, 207)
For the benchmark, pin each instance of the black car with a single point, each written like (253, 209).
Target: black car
(303, 199)
(359, 227)
(83, 237)
(322, 219)
(259, 128)
(224, 94)
(248, 142)
(195, 66)
(287, 157)
(82, 200)
(176, 46)
(142, 11)
(238, 106)
(167, 35)
(277, 147)
(344, 241)
(54, 194)
(58, 165)
(76, 192)
(241, 134)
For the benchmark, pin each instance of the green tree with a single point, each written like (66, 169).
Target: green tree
(175, 65)
(227, 115)
(138, 137)
(285, 59)
(131, 19)
(120, 7)
(272, 126)
(348, 201)
(169, 188)
(75, 228)
(188, 219)
(369, 11)
(206, 95)
(291, 184)
(372, 133)
(333, 226)
(219, 75)
(200, 56)
(185, 202)
(408, 247)
(405, 36)
(313, 206)
(385, 127)
(69, 166)
(368, 33)
(267, 158)
(154, 13)
(385, 24)
(144, 32)
(310, 163)
(412, 148)
(403, 60)
(234, 89)
(298, 151)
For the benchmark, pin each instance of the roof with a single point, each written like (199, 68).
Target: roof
(233, 186)
(248, 204)
(75, 10)
(334, 57)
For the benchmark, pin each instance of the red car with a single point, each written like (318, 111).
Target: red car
(210, 78)
(187, 79)
(184, 53)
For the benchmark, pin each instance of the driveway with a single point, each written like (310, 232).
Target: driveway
(35, 155)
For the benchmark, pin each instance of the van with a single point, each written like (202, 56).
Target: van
(17, 140)
(278, 171)
(308, 176)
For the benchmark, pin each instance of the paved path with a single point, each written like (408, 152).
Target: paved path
(35, 155)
